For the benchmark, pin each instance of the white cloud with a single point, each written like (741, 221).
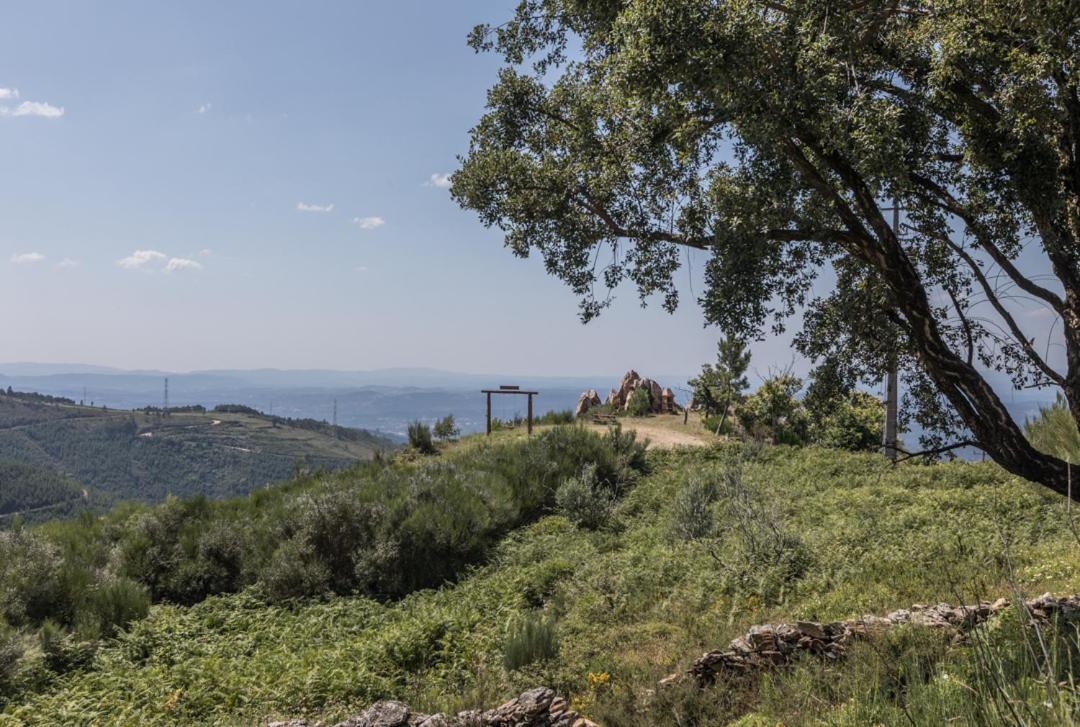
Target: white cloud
(361, 268)
(140, 259)
(438, 180)
(68, 263)
(305, 207)
(204, 108)
(33, 108)
(178, 264)
(26, 258)
(205, 252)
(9, 93)
(369, 223)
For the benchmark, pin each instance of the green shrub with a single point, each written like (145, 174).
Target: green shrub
(584, 500)
(530, 639)
(693, 515)
(31, 578)
(61, 651)
(640, 403)
(854, 423)
(117, 603)
(420, 438)
(446, 429)
(294, 571)
(759, 552)
(564, 416)
(10, 653)
(775, 412)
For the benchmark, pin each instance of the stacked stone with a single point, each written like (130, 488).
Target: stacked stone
(539, 707)
(770, 645)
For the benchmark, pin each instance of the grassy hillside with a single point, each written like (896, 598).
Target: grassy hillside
(710, 541)
(120, 455)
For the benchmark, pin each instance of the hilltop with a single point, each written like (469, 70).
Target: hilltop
(470, 577)
(143, 455)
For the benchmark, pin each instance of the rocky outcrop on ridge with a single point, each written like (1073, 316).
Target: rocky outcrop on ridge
(539, 707)
(586, 401)
(661, 400)
(768, 646)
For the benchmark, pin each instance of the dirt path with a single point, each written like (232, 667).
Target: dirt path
(665, 431)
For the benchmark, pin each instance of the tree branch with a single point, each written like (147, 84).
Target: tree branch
(946, 201)
(937, 450)
(1006, 316)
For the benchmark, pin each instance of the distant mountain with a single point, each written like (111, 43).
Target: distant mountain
(123, 454)
(383, 400)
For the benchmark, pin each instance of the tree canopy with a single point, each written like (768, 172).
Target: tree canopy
(775, 135)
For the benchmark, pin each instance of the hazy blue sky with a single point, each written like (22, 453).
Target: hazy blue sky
(156, 160)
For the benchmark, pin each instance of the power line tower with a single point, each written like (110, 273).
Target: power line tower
(165, 405)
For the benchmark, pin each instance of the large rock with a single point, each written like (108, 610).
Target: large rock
(586, 401)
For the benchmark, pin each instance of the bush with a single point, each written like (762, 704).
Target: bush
(31, 578)
(10, 653)
(693, 514)
(446, 429)
(773, 411)
(640, 403)
(564, 416)
(60, 651)
(294, 571)
(420, 438)
(584, 500)
(855, 423)
(533, 638)
(761, 554)
(117, 604)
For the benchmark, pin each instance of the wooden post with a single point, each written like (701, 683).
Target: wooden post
(530, 414)
(488, 417)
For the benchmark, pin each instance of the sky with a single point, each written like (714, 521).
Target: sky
(208, 185)
(263, 184)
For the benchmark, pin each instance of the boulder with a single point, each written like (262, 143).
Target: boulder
(586, 401)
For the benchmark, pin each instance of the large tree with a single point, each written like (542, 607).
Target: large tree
(774, 135)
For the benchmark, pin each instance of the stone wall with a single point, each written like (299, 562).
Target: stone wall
(539, 707)
(771, 645)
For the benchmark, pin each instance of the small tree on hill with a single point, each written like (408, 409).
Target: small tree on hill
(446, 429)
(420, 438)
(640, 402)
(720, 386)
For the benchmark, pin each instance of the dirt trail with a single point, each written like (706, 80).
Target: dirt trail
(666, 431)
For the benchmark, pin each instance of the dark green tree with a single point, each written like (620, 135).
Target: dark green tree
(773, 136)
(721, 386)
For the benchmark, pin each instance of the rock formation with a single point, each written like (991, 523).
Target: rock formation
(619, 398)
(771, 645)
(538, 707)
(586, 401)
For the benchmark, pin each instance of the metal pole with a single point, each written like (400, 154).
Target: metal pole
(889, 445)
(488, 415)
(530, 414)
